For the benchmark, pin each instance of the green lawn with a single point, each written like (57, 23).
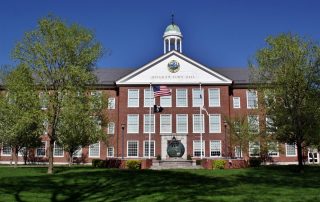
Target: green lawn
(87, 184)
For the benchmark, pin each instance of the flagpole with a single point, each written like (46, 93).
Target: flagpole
(201, 124)
(150, 95)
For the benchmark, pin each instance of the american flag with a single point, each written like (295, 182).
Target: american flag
(161, 91)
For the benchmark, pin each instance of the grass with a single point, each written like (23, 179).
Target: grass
(281, 183)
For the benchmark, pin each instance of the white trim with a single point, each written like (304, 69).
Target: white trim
(203, 125)
(144, 123)
(233, 101)
(162, 115)
(209, 95)
(45, 150)
(147, 92)
(138, 99)
(112, 152)
(2, 154)
(166, 97)
(287, 150)
(79, 155)
(203, 147)
(108, 128)
(187, 126)
(54, 148)
(90, 156)
(269, 151)
(128, 148)
(186, 90)
(133, 132)
(202, 99)
(211, 147)
(111, 100)
(247, 93)
(259, 149)
(210, 119)
(154, 148)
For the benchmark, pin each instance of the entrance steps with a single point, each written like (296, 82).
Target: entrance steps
(174, 163)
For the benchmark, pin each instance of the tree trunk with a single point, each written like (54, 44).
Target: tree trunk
(70, 159)
(300, 156)
(50, 151)
(15, 157)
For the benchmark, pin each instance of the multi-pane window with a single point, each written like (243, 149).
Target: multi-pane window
(197, 97)
(41, 151)
(273, 149)
(197, 148)
(182, 123)
(110, 152)
(148, 125)
(215, 123)
(236, 102)
(215, 148)
(291, 150)
(198, 123)
(132, 149)
(181, 98)
(133, 97)
(270, 125)
(57, 150)
(111, 103)
(133, 123)
(238, 152)
(6, 150)
(78, 152)
(214, 97)
(254, 149)
(166, 101)
(146, 148)
(23, 151)
(165, 123)
(94, 150)
(252, 99)
(43, 100)
(253, 122)
(111, 127)
(148, 98)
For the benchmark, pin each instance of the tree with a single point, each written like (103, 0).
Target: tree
(20, 122)
(62, 58)
(287, 74)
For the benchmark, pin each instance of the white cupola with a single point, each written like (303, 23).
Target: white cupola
(172, 38)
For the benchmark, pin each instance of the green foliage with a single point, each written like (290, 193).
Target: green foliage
(198, 162)
(133, 164)
(189, 157)
(219, 164)
(255, 161)
(98, 163)
(158, 157)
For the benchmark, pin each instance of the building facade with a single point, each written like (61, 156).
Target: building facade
(202, 99)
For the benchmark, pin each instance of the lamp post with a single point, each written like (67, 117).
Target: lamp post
(225, 137)
(122, 134)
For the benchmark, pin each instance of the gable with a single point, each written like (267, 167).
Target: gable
(174, 68)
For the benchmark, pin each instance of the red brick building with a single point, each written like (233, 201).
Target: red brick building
(201, 99)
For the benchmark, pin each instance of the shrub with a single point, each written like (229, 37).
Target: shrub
(198, 162)
(133, 164)
(189, 157)
(96, 163)
(158, 157)
(113, 163)
(255, 162)
(219, 164)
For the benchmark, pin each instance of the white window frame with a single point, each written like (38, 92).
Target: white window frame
(54, 150)
(194, 97)
(78, 153)
(128, 148)
(45, 150)
(250, 126)
(238, 152)
(252, 107)
(108, 154)
(193, 126)
(251, 154)
(92, 156)
(186, 98)
(137, 102)
(210, 121)
(2, 154)
(111, 103)
(161, 122)
(199, 150)
(295, 147)
(145, 120)
(271, 151)
(177, 123)
(128, 125)
(220, 149)
(20, 151)
(168, 97)
(146, 153)
(111, 125)
(146, 94)
(236, 100)
(209, 97)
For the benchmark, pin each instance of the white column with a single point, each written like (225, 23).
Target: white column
(180, 46)
(175, 44)
(164, 46)
(169, 44)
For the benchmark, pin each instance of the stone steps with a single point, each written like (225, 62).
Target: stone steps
(174, 164)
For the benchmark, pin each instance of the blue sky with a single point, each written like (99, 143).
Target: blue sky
(224, 33)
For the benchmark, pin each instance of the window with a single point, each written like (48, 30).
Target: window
(253, 122)
(111, 128)
(254, 149)
(41, 151)
(148, 98)
(273, 149)
(110, 152)
(43, 100)
(291, 150)
(133, 123)
(132, 149)
(133, 98)
(197, 148)
(166, 101)
(214, 97)
(146, 148)
(238, 152)
(148, 125)
(97, 121)
(23, 151)
(111, 103)
(182, 98)
(78, 152)
(270, 125)
(57, 150)
(6, 151)
(252, 99)
(94, 150)
(165, 123)
(197, 98)
(215, 148)
(215, 123)
(198, 123)
(236, 102)
(182, 123)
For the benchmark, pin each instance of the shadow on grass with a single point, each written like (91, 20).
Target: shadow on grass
(87, 184)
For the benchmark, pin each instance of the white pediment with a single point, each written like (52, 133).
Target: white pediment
(189, 72)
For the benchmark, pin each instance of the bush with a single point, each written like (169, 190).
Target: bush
(219, 164)
(113, 163)
(189, 157)
(198, 162)
(133, 164)
(255, 162)
(98, 163)
(158, 157)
